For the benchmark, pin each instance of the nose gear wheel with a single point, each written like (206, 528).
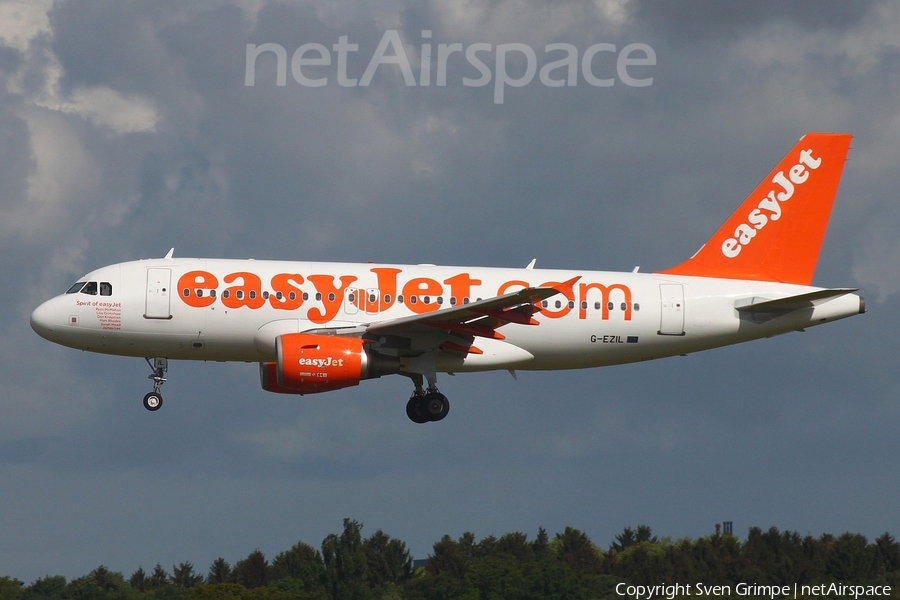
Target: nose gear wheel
(153, 401)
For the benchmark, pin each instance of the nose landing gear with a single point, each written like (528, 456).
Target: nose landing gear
(153, 401)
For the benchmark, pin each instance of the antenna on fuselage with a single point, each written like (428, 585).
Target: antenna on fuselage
(170, 253)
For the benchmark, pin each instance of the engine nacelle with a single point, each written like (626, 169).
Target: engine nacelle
(310, 363)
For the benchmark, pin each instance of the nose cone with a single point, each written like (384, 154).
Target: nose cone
(43, 319)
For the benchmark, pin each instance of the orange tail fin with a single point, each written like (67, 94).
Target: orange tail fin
(777, 232)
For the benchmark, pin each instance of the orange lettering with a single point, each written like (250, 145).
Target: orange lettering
(556, 314)
(584, 288)
(461, 286)
(249, 294)
(331, 296)
(282, 283)
(191, 282)
(387, 286)
(422, 286)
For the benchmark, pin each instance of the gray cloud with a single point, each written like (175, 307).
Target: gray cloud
(126, 128)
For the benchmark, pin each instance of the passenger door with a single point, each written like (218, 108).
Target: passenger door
(671, 321)
(159, 294)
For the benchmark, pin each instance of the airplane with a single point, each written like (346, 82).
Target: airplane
(318, 327)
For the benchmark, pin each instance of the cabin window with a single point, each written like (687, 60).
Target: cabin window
(440, 299)
(253, 294)
(351, 297)
(571, 304)
(266, 295)
(239, 294)
(331, 296)
(400, 298)
(318, 295)
(413, 300)
(452, 300)
(637, 306)
(624, 306)
(583, 305)
(558, 304)
(280, 296)
(293, 296)
(75, 288)
(427, 299)
(186, 292)
(305, 296)
(226, 294)
(610, 306)
(212, 293)
(199, 293)
(544, 303)
(387, 298)
(597, 306)
(465, 300)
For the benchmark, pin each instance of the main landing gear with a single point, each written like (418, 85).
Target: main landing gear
(153, 401)
(425, 406)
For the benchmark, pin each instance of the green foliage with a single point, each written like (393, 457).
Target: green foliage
(46, 588)
(387, 560)
(851, 558)
(219, 571)
(158, 578)
(217, 591)
(567, 567)
(183, 575)
(253, 571)
(11, 589)
(576, 550)
(301, 564)
(345, 562)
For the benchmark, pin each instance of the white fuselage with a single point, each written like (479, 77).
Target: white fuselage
(232, 310)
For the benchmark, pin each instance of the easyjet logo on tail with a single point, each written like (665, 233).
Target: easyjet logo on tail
(769, 208)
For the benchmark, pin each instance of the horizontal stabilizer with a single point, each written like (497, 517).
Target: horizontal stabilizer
(791, 303)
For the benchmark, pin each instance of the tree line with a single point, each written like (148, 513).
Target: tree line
(567, 566)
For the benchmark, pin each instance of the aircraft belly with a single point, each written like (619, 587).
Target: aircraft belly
(495, 355)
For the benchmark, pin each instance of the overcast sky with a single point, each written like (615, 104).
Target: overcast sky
(127, 128)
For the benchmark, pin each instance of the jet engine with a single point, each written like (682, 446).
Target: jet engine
(310, 363)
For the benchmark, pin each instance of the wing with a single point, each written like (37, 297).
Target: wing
(763, 309)
(456, 328)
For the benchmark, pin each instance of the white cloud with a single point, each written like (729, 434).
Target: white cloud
(21, 25)
(23, 20)
(525, 21)
(63, 169)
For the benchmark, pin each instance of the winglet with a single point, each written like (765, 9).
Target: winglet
(777, 232)
(567, 287)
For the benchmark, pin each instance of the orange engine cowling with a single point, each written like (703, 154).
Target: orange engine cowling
(308, 363)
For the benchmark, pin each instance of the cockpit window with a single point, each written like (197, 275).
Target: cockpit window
(105, 288)
(90, 288)
(76, 288)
